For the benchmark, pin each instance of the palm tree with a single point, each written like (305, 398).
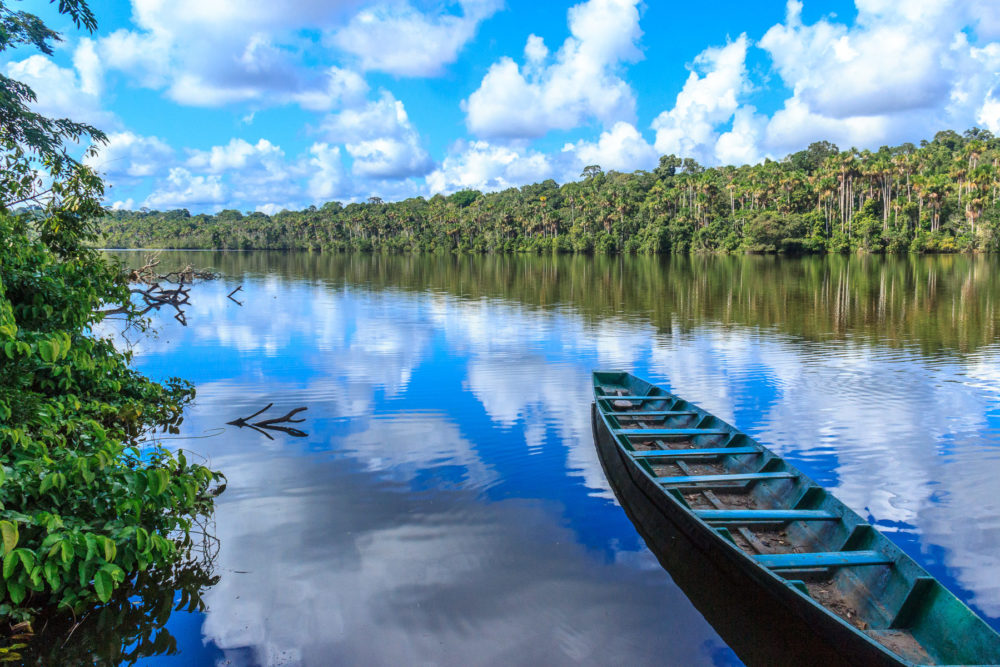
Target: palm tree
(937, 188)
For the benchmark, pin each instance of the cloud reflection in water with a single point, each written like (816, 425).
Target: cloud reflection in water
(449, 507)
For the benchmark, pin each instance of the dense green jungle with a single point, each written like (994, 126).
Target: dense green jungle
(938, 197)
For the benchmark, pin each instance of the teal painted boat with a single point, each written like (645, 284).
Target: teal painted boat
(780, 537)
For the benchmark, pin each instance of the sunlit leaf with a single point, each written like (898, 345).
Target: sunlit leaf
(9, 532)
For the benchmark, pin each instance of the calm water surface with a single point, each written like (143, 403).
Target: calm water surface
(446, 504)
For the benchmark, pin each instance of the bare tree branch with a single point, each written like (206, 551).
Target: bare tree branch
(272, 424)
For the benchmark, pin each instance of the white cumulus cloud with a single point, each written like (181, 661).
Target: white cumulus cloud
(689, 129)
(893, 63)
(479, 165)
(129, 158)
(621, 148)
(224, 51)
(581, 83)
(327, 171)
(238, 154)
(380, 139)
(259, 174)
(343, 88)
(902, 71)
(238, 174)
(398, 39)
(183, 189)
(66, 92)
(227, 52)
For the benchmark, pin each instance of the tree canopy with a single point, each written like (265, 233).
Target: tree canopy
(938, 197)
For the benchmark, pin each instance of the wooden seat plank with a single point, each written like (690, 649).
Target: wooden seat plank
(754, 516)
(822, 559)
(652, 413)
(693, 453)
(664, 432)
(736, 477)
(634, 398)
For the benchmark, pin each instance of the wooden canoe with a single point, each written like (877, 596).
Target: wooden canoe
(780, 537)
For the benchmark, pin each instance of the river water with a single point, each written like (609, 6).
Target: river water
(442, 501)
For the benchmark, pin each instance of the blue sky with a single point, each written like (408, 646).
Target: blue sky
(264, 105)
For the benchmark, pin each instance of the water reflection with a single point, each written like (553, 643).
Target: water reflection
(448, 504)
(933, 302)
(374, 572)
(142, 622)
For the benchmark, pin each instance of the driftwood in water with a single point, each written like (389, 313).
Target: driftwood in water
(272, 424)
(154, 296)
(147, 273)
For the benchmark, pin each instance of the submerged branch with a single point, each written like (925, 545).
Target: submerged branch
(272, 424)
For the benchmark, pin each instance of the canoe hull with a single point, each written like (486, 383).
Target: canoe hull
(762, 619)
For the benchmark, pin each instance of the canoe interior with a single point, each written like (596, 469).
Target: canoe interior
(755, 504)
(719, 594)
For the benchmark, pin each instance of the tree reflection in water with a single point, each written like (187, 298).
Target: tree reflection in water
(132, 625)
(933, 302)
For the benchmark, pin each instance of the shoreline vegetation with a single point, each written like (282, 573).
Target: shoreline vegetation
(938, 197)
(97, 518)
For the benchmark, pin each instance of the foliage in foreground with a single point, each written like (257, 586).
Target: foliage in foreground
(938, 197)
(84, 508)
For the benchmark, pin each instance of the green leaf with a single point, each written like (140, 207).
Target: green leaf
(17, 591)
(84, 467)
(10, 562)
(67, 551)
(27, 557)
(47, 482)
(103, 585)
(54, 523)
(84, 571)
(164, 546)
(117, 574)
(157, 479)
(8, 530)
(46, 351)
(56, 348)
(109, 549)
(51, 571)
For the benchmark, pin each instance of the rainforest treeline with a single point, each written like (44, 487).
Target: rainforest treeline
(938, 197)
